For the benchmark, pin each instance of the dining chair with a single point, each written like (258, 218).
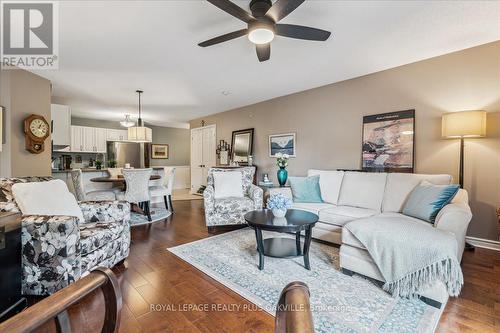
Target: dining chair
(165, 189)
(137, 188)
(115, 173)
(82, 195)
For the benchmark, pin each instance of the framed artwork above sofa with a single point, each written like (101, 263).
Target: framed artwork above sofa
(389, 142)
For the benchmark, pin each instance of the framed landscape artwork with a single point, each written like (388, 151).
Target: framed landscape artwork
(159, 151)
(389, 142)
(282, 143)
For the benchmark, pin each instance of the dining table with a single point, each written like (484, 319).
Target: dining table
(121, 180)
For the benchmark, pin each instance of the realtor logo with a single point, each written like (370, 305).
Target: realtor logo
(30, 35)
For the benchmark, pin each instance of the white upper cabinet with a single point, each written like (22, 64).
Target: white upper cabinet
(77, 139)
(61, 125)
(88, 139)
(116, 135)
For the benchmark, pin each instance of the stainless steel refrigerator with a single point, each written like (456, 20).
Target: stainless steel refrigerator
(125, 152)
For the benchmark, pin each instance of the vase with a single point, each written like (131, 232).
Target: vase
(282, 176)
(279, 212)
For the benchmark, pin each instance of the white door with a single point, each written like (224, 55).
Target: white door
(76, 138)
(196, 159)
(100, 140)
(209, 151)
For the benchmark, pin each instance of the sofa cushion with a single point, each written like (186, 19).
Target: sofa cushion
(311, 207)
(426, 200)
(305, 189)
(349, 239)
(228, 184)
(233, 205)
(95, 235)
(362, 189)
(329, 184)
(7, 202)
(340, 215)
(400, 185)
(32, 199)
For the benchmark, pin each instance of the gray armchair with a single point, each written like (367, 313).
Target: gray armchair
(230, 211)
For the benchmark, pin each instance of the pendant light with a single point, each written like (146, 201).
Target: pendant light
(139, 133)
(127, 122)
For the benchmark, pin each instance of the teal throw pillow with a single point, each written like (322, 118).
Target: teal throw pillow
(305, 189)
(427, 199)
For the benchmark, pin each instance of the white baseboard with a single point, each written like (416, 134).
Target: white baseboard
(483, 243)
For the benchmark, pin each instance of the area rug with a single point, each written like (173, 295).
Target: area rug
(157, 214)
(340, 303)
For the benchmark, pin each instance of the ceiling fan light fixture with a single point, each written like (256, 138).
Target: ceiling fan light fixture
(261, 35)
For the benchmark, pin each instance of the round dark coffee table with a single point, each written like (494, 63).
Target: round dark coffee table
(294, 221)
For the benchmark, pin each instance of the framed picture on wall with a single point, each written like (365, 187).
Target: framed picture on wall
(389, 142)
(282, 143)
(159, 151)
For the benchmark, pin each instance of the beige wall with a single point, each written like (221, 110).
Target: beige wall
(23, 93)
(328, 122)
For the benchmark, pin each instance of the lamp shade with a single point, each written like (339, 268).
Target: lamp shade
(140, 134)
(464, 124)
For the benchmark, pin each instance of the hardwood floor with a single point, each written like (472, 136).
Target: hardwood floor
(154, 276)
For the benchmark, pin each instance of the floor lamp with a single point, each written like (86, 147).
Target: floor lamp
(463, 124)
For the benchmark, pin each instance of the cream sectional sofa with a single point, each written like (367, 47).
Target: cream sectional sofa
(350, 196)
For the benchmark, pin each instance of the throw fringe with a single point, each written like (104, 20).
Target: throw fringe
(447, 271)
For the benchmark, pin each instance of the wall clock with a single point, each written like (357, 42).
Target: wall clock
(36, 130)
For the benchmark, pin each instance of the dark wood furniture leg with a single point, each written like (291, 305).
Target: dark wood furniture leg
(307, 244)
(297, 242)
(166, 202)
(147, 210)
(170, 202)
(260, 247)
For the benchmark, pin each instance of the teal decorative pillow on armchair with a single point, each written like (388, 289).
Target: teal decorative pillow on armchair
(305, 189)
(427, 199)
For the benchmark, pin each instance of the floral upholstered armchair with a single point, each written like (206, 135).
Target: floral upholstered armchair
(58, 250)
(230, 211)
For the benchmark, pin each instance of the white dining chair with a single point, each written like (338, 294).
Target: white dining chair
(82, 195)
(137, 188)
(115, 173)
(165, 189)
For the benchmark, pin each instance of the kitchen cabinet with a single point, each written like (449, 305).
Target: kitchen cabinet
(61, 126)
(116, 135)
(88, 139)
(77, 139)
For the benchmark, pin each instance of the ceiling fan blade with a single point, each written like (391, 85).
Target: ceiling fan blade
(301, 32)
(282, 8)
(224, 38)
(233, 9)
(263, 51)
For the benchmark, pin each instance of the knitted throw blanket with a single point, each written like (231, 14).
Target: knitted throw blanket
(410, 255)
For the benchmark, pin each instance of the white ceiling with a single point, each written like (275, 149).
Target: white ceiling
(108, 49)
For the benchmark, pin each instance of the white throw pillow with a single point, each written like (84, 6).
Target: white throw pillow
(228, 184)
(46, 198)
(329, 183)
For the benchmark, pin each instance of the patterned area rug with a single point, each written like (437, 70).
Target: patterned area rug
(340, 303)
(157, 214)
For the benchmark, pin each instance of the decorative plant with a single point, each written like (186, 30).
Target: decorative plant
(282, 160)
(279, 201)
(98, 164)
(112, 164)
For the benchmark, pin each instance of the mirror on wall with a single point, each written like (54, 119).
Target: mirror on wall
(242, 143)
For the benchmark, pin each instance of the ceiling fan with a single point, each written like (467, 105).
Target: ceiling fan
(263, 24)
